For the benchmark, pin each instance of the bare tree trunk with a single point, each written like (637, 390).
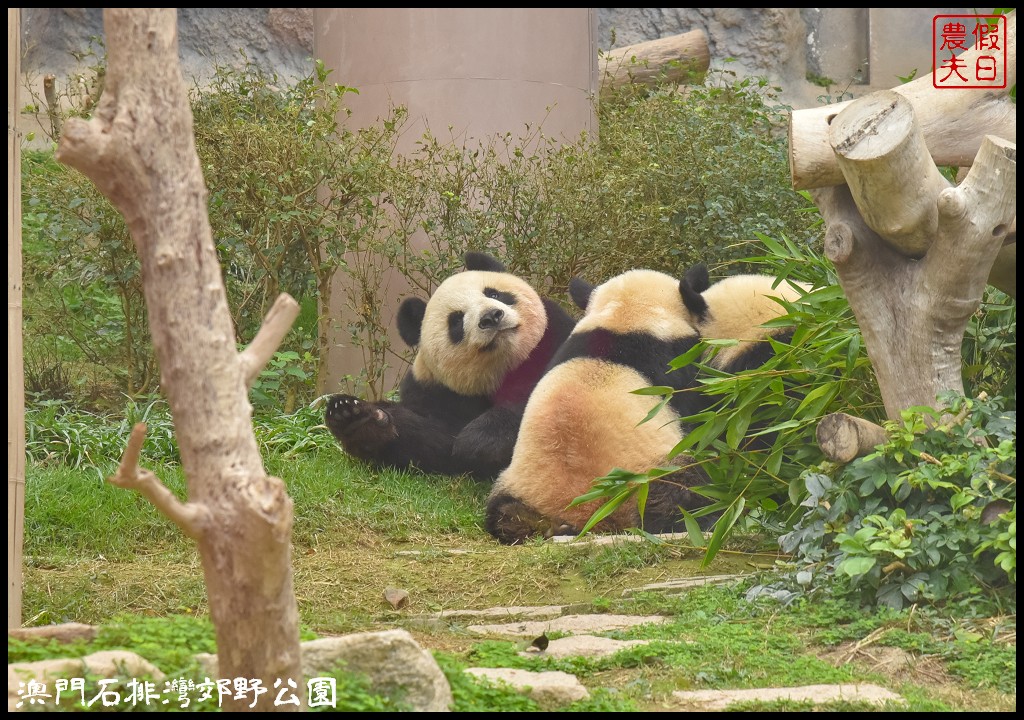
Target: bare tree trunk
(913, 255)
(15, 369)
(139, 149)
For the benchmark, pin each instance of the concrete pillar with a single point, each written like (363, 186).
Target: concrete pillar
(901, 42)
(482, 71)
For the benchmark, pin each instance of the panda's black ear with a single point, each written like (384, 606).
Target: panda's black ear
(697, 278)
(483, 261)
(410, 320)
(691, 286)
(580, 291)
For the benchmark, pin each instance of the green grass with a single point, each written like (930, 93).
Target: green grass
(71, 514)
(96, 553)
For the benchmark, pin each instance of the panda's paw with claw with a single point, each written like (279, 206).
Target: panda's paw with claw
(346, 413)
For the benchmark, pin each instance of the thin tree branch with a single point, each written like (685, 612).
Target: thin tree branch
(275, 326)
(193, 519)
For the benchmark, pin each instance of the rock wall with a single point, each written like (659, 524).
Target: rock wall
(849, 45)
(278, 38)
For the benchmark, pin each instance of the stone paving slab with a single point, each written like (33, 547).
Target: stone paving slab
(552, 687)
(613, 539)
(817, 694)
(587, 646)
(537, 612)
(571, 624)
(682, 584)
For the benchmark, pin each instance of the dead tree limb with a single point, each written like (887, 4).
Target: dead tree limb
(192, 519)
(843, 437)
(139, 150)
(953, 122)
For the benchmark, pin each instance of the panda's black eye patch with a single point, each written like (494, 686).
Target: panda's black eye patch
(456, 332)
(502, 297)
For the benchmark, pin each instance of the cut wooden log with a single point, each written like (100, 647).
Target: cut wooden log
(878, 141)
(844, 438)
(953, 121)
(683, 59)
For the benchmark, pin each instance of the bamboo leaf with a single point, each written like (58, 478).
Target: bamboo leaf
(693, 530)
(722, 528)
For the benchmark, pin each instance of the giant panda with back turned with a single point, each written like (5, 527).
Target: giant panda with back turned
(583, 420)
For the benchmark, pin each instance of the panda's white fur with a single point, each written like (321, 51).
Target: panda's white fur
(502, 319)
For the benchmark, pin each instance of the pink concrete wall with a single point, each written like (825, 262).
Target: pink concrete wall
(483, 71)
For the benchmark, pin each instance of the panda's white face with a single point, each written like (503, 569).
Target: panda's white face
(477, 327)
(643, 301)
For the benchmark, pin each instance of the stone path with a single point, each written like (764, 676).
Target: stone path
(393, 658)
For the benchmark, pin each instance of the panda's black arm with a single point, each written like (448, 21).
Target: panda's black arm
(484, 447)
(389, 434)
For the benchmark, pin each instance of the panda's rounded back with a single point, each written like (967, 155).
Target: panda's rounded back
(583, 419)
(477, 327)
(737, 307)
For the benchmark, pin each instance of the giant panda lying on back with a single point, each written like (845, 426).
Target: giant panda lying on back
(483, 341)
(582, 419)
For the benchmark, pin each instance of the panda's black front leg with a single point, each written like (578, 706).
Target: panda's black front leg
(364, 429)
(484, 447)
(390, 434)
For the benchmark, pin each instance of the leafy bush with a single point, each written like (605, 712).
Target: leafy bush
(293, 192)
(930, 517)
(990, 347)
(675, 176)
(84, 306)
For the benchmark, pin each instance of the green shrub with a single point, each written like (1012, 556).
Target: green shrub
(293, 192)
(84, 316)
(674, 176)
(930, 517)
